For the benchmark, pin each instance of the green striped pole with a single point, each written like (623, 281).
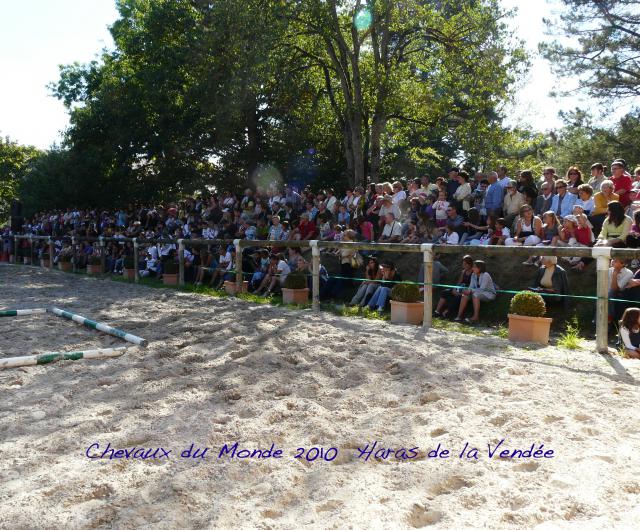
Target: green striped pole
(21, 312)
(100, 327)
(45, 358)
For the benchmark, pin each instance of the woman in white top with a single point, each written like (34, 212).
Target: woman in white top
(528, 229)
(481, 289)
(463, 193)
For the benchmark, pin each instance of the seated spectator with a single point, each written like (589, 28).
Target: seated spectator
(366, 229)
(528, 230)
(619, 278)
(630, 332)
(512, 203)
(307, 228)
(481, 289)
(585, 198)
(262, 266)
(615, 228)
(372, 273)
(600, 202)
(412, 236)
(544, 200)
(633, 238)
(470, 226)
(381, 295)
(573, 180)
(550, 229)
(276, 275)
(450, 237)
(392, 231)
(223, 261)
(450, 298)
(562, 203)
(500, 233)
(551, 280)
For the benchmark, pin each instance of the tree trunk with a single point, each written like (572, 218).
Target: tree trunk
(377, 128)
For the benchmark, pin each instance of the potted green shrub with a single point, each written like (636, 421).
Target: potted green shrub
(526, 318)
(230, 287)
(44, 260)
(26, 255)
(405, 305)
(294, 290)
(128, 268)
(94, 265)
(64, 262)
(170, 272)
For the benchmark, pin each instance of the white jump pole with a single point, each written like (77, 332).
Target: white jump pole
(100, 327)
(21, 312)
(46, 358)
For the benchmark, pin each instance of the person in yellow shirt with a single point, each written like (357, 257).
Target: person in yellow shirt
(601, 201)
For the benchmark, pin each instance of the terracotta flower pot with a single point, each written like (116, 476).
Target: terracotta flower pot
(94, 269)
(295, 296)
(12, 258)
(407, 312)
(65, 266)
(170, 279)
(529, 329)
(44, 263)
(129, 274)
(4, 257)
(26, 260)
(230, 287)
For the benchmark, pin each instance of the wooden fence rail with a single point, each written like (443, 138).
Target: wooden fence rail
(602, 255)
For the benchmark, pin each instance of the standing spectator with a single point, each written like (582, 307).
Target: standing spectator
(452, 183)
(494, 196)
(597, 177)
(549, 175)
(462, 195)
(503, 180)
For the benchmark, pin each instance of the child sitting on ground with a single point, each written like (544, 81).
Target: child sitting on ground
(630, 332)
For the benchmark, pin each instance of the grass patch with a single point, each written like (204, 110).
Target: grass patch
(570, 338)
(502, 331)
(448, 325)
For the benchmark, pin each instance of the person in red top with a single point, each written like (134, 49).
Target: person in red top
(622, 182)
(366, 229)
(307, 228)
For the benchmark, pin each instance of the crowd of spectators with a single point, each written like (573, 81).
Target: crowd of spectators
(459, 209)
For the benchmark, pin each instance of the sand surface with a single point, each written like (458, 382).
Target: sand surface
(220, 371)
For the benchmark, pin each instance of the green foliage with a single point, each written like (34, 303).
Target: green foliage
(15, 161)
(529, 304)
(64, 258)
(127, 262)
(95, 260)
(295, 280)
(570, 338)
(405, 292)
(604, 46)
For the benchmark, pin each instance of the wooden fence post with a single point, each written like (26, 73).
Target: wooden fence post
(603, 257)
(135, 260)
(15, 250)
(181, 262)
(51, 254)
(103, 254)
(74, 265)
(315, 265)
(31, 250)
(239, 278)
(427, 257)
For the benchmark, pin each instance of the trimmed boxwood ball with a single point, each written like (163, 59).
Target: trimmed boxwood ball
(95, 260)
(64, 258)
(295, 280)
(405, 292)
(127, 262)
(528, 304)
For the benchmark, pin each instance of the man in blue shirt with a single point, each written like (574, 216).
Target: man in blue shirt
(494, 196)
(562, 203)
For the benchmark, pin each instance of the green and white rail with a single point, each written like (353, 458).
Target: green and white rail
(46, 358)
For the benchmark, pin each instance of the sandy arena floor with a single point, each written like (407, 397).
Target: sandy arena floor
(220, 371)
